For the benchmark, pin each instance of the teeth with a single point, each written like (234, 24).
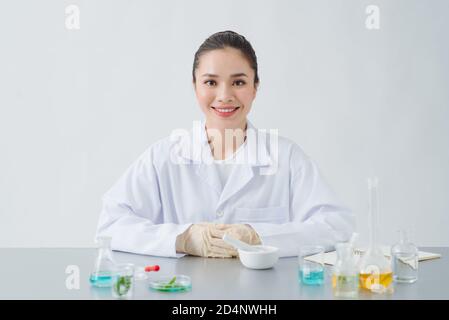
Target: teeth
(226, 110)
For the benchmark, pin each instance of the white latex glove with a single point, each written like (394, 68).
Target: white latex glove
(242, 232)
(204, 240)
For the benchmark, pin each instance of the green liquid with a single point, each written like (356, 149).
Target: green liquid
(345, 286)
(174, 288)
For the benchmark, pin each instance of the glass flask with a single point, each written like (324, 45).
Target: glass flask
(104, 264)
(405, 260)
(375, 273)
(345, 277)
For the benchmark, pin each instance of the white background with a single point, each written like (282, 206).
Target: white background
(77, 107)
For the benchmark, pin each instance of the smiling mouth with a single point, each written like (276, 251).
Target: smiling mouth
(225, 112)
(225, 109)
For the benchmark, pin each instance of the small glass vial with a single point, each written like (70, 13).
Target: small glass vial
(405, 260)
(123, 281)
(345, 280)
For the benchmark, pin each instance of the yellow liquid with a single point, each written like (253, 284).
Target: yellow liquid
(368, 279)
(345, 281)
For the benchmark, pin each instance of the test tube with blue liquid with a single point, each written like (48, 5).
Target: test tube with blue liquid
(311, 265)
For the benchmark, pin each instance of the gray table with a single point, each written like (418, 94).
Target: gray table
(41, 274)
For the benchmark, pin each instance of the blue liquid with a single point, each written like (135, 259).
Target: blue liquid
(101, 279)
(314, 278)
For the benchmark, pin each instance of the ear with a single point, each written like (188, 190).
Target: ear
(256, 87)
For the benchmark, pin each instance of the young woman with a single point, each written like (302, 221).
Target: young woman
(182, 195)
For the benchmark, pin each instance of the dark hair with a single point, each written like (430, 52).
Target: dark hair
(224, 39)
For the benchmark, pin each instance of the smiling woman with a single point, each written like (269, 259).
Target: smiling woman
(171, 208)
(225, 80)
(222, 89)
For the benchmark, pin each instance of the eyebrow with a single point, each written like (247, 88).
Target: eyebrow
(232, 75)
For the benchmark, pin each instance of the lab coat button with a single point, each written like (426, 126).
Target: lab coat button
(220, 213)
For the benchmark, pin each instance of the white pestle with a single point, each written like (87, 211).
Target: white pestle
(240, 244)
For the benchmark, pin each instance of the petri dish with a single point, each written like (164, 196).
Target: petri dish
(176, 283)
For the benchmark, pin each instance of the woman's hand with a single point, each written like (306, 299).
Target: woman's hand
(205, 239)
(242, 232)
(202, 239)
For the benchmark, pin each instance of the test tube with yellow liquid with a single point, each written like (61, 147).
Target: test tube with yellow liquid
(376, 274)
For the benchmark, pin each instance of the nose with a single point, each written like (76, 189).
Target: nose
(225, 94)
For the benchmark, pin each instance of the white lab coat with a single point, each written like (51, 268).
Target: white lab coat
(278, 190)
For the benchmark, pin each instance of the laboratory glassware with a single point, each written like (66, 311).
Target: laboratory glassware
(104, 264)
(123, 281)
(311, 265)
(375, 269)
(405, 260)
(140, 273)
(345, 278)
(176, 283)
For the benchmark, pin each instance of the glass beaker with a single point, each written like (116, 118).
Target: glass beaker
(104, 264)
(345, 280)
(123, 281)
(311, 265)
(404, 256)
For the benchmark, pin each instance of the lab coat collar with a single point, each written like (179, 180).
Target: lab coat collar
(195, 150)
(195, 146)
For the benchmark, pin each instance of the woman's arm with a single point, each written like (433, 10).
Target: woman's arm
(132, 213)
(317, 216)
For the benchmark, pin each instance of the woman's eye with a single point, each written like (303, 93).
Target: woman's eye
(210, 82)
(240, 82)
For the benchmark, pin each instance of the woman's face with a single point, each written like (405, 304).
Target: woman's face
(225, 88)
